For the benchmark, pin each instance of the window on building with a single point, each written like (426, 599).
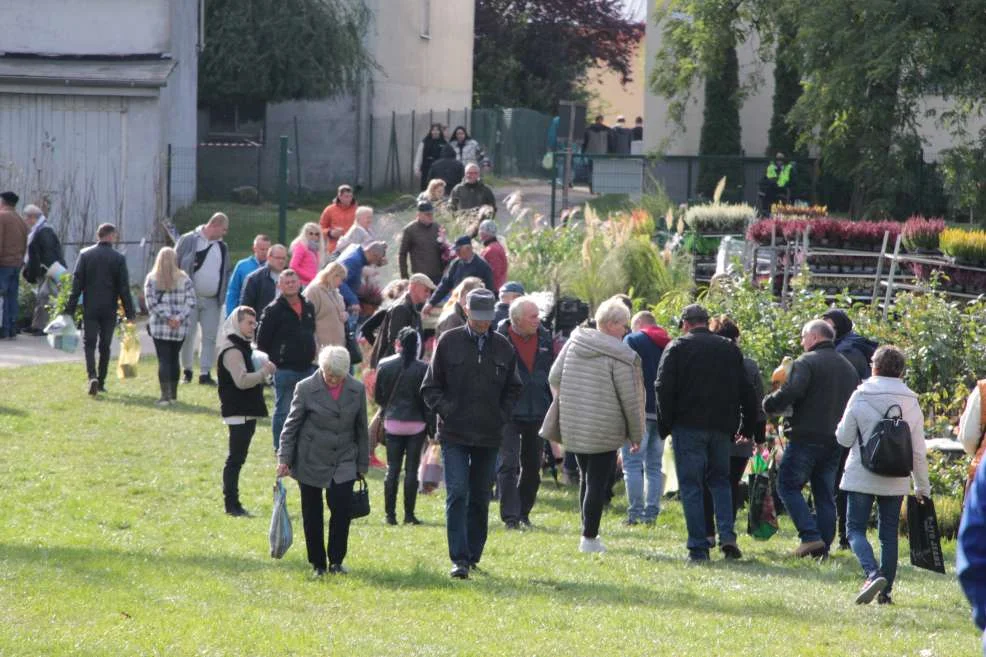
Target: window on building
(241, 121)
(425, 19)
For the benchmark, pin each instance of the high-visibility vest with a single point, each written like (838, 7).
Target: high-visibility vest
(782, 178)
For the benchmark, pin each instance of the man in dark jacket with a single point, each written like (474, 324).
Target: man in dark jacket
(508, 292)
(466, 264)
(448, 168)
(471, 384)
(101, 275)
(403, 313)
(817, 389)
(519, 472)
(260, 286)
(420, 244)
(471, 193)
(859, 352)
(45, 263)
(287, 334)
(644, 466)
(701, 394)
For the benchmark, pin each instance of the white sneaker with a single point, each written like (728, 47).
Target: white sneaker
(591, 545)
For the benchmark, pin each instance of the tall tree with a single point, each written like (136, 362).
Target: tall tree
(274, 50)
(721, 131)
(533, 53)
(782, 136)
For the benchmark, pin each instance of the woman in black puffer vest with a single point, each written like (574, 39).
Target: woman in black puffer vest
(241, 397)
(405, 421)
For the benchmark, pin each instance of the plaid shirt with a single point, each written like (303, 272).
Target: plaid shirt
(163, 305)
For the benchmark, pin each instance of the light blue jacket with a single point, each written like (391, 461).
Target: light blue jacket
(243, 268)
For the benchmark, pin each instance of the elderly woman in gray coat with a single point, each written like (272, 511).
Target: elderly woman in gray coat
(325, 447)
(599, 384)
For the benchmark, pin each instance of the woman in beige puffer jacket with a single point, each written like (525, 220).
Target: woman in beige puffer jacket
(600, 388)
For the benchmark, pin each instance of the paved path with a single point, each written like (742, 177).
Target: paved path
(537, 195)
(29, 350)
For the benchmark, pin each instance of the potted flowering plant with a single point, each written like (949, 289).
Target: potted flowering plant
(921, 235)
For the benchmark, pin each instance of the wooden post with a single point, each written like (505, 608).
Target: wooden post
(879, 268)
(890, 278)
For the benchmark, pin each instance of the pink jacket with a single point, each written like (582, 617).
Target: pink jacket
(304, 262)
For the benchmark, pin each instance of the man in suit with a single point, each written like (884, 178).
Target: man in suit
(101, 275)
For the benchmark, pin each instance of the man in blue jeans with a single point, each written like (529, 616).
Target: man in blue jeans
(286, 333)
(472, 385)
(648, 340)
(817, 389)
(13, 245)
(702, 393)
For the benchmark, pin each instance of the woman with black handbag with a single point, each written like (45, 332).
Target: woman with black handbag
(405, 421)
(325, 447)
(869, 405)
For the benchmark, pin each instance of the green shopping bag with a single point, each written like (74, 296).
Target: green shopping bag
(761, 516)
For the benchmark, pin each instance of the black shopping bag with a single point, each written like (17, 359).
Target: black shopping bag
(925, 538)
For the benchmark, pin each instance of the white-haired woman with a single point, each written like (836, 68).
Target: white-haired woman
(170, 297)
(325, 447)
(330, 307)
(600, 388)
(305, 250)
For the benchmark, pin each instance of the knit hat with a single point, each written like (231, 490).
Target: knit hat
(840, 321)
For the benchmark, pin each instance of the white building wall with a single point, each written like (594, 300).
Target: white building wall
(89, 156)
(178, 103)
(72, 27)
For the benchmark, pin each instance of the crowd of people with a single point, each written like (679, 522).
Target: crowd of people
(461, 356)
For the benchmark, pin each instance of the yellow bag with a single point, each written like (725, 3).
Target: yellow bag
(126, 367)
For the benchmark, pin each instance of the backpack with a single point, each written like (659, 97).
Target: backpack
(888, 451)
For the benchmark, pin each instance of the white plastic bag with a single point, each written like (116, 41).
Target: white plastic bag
(62, 334)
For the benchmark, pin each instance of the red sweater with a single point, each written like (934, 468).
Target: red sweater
(494, 254)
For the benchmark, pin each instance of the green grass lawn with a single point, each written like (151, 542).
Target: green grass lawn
(113, 542)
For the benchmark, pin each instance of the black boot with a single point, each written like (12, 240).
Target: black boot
(165, 393)
(410, 499)
(390, 500)
(231, 492)
(173, 389)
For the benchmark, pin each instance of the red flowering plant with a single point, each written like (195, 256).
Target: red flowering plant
(921, 234)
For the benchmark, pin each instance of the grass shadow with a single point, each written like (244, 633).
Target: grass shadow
(148, 401)
(16, 412)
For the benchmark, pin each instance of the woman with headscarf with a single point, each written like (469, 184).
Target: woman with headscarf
(325, 447)
(467, 150)
(305, 252)
(170, 297)
(405, 419)
(330, 307)
(429, 150)
(241, 397)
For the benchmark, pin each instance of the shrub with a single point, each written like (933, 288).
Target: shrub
(719, 217)
(922, 234)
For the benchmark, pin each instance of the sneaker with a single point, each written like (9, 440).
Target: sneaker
(206, 380)
(512, 525)
(338, 569)
(459, 571)
(377, 463)
(102, 387)
(237, 512)
(591, 545)
(163, 403)
(871, 588)
(391, 519)
(187, 376)
(884, 598)
(411, 520)
(811, 549)
(731, 551)
(526, 523)
(93, 387)
(318, 573)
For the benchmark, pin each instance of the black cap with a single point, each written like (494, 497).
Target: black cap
(465, 240)
(481, 305)
(694, 313)
(425, 206)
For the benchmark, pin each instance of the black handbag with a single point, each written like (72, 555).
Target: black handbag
(355, 354)
(360, 505)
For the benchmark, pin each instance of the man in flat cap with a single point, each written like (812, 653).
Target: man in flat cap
(465, 264)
